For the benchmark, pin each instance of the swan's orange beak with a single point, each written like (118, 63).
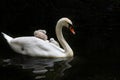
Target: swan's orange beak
(72, 30)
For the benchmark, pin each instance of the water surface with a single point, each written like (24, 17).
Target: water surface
(76, 68)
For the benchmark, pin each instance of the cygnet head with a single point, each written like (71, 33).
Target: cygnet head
(43, 31)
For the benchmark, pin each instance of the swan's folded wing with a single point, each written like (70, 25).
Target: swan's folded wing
(37, 47)
(57, 47)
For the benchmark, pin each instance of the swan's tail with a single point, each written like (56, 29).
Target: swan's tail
(8, 38)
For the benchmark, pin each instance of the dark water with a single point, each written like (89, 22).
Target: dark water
(34, 68)
(76, 68)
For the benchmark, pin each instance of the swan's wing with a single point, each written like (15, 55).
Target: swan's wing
(30, 42)
(34, 46)
(57, 47)
(52, 40)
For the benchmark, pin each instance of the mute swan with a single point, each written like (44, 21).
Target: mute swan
(36, 47)
(40, 34)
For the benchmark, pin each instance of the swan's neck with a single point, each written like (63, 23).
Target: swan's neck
(67, 48)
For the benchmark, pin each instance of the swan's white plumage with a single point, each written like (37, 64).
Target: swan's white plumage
(33, 46)
(8, 38)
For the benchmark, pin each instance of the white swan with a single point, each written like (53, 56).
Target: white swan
(33, 46)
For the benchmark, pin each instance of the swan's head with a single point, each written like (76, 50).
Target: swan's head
(65, 22)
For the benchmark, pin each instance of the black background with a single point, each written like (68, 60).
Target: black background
(96, 23)
(96, 43)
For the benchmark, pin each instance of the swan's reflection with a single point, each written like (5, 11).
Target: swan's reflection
(44, 68)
